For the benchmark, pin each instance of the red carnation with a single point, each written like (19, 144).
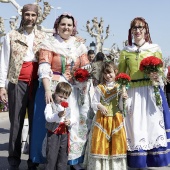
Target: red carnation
(64, 104)
(122, 78)
(150, 64)
(81, 75)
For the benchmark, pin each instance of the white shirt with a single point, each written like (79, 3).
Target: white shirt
(5, 55)
(30, 56)
(52, 116)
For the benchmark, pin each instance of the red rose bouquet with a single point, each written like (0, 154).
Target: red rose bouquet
(81, 75)
(153, 65)
(123, 80)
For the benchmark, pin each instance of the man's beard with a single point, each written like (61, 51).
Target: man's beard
(27, 24)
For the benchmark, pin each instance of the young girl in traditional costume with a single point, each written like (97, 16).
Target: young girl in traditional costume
(107, 140)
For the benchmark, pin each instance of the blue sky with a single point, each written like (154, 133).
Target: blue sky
(116, 13)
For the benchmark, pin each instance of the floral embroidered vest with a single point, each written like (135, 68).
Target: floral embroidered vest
(18, 47)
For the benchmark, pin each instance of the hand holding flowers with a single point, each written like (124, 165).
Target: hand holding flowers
(61, 114)
(151, 66)
(154, 77)
(65, 105)
(123, 80)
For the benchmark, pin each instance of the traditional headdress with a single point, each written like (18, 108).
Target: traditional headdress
(147, 34)
(28, 7)
(57, 21)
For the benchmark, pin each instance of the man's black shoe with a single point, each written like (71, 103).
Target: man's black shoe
(33, 168)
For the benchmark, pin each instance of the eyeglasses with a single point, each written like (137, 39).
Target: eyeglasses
(138, 27)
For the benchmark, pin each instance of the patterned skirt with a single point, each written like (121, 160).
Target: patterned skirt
(107, 144)
(148, 129)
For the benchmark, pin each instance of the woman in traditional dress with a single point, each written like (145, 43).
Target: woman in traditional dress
(147, 124)
(59, 56)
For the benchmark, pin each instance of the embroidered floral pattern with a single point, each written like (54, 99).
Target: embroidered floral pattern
(18, 51)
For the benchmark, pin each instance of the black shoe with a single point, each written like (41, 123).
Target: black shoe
(72, 168)
(13, 168)
(33, 168)
(32, 165)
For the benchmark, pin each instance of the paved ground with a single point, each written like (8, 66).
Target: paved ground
(4, 135)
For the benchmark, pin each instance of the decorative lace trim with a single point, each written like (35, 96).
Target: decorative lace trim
(168, 140)
(108, 137)
(118, 156)
(149, 153)
(118, 128)
(167, 130)
(161, 141)
(146, 47)
(108, 99)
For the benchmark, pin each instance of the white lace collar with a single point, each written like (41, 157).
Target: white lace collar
(110, 84)
(145, 47)
(71, 49)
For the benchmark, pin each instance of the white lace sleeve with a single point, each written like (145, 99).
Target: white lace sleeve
(95, 100)
(44, 71)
